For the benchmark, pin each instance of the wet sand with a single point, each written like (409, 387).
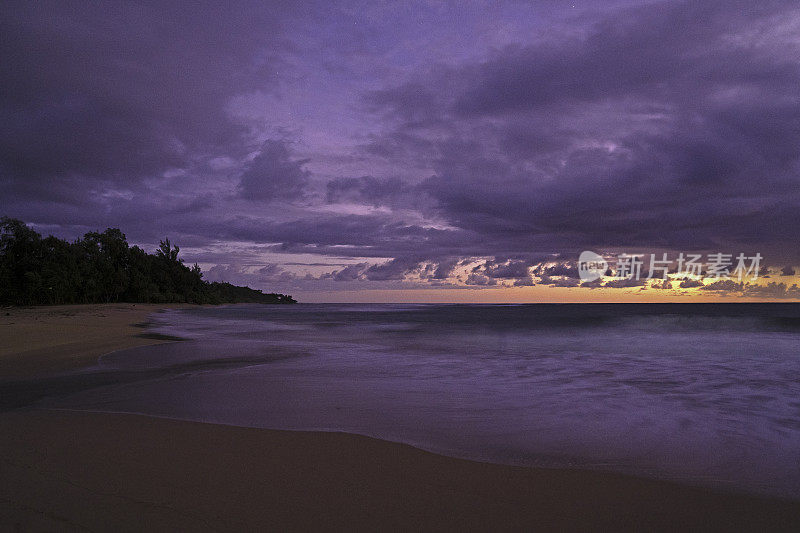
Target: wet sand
(44, 340)
(64, 470)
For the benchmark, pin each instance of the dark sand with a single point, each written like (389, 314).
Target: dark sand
(44, 340)
(66, 470)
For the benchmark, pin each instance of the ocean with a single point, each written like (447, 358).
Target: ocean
(706, 394)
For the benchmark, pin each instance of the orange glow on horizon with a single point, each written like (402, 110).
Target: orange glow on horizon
(535, 294)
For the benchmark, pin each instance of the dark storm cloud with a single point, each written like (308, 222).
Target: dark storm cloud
(396, 269)
(661, 48)
(625, 283)
(445, 268)
(664, 284)
(723, 285)
(673, 124)
(122, 91)
(566, 269)
(772, 290)
(415, 104)
(507, 270)
(274, 174)
(479, 280)
(365, 190)
(559, 282)
(349, 273)
(524, 282)
(375, 235)
(267, 274)
(371, 133)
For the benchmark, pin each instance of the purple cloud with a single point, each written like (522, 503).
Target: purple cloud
(404, 143)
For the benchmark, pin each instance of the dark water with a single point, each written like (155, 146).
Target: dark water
(706, 394)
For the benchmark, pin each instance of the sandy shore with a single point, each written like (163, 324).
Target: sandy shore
(65, 470)
(132, 473)
(42, 340)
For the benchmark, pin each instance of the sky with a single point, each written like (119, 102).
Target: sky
(414, 151)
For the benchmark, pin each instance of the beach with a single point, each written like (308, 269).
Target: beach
(67, 470)
(44, 340)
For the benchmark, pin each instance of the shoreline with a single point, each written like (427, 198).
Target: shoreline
(102, 471)
(75, 469)
(42, 340)
(719, 489)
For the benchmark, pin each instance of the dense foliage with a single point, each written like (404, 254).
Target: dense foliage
(101, 267)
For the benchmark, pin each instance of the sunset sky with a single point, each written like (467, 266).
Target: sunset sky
(403, 151)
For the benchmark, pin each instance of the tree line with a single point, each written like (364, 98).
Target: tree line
(102, 268)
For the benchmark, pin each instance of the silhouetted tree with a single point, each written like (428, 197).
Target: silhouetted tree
(101, 267)
(166, 252)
